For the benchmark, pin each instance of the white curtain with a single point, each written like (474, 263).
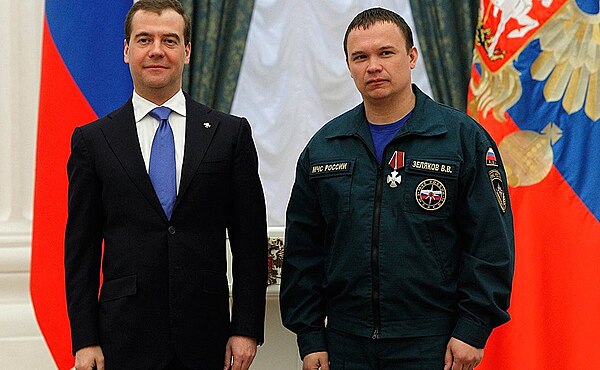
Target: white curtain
(294, 79)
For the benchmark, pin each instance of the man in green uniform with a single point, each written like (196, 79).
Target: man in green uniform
(399, 236)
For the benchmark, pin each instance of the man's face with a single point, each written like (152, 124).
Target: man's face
(379, 62)
(156, 54)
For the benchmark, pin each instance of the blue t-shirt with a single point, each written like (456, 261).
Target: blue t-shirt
(383, 134)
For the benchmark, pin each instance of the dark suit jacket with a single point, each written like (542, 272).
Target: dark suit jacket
(165, 289)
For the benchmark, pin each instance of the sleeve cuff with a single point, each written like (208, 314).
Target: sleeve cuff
(313, 341)
(471, 333)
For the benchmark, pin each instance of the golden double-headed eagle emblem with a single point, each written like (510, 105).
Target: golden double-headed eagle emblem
(568, 65)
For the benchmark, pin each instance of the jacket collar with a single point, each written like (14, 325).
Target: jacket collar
(200, 128)
(121, 135)
(425, 120)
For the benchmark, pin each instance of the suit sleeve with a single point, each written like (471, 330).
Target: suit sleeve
(83, 244)
(487, 257)
(247, 230)
(301, 295)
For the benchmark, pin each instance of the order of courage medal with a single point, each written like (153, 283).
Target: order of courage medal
(396, 162)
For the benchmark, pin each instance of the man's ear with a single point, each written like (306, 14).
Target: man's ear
(414, 55)
(188, 53)
(125, 51)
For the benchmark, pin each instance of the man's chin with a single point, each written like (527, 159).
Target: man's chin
(378, 94)
(155, 83)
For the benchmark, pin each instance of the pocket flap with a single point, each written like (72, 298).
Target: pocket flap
(214, 166)
(118, 288)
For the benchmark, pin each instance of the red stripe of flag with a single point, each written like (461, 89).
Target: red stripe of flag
(556, 291)
(62, 107)
(555, 305)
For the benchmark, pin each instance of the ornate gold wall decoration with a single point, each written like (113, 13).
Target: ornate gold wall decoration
(570, 60)
(495, 92)
(275, 246)
(528, 155)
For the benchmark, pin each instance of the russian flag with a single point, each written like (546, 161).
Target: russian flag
(490, 156)
(431, 195)
(83, 77)
(534, 87)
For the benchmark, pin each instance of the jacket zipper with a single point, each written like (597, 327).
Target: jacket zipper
(375, 245)
(375, 256)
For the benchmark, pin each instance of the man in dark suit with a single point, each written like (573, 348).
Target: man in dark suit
(164, 299)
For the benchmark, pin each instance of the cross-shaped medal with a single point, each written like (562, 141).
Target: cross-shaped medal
(396, 162)
(394, 179)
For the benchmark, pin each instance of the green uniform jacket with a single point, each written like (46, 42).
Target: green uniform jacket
(428, 250)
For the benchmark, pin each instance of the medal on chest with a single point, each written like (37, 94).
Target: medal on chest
(396, 162)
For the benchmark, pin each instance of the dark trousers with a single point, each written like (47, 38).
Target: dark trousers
(175, 364)
(349, 352)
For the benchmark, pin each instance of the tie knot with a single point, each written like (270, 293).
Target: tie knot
(160, 113)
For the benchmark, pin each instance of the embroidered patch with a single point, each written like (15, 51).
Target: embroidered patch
(498, 187)
(331, 168)
(490, 158)
(430, 194)
(436, 167)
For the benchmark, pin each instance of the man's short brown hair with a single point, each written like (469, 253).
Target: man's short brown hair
(369, 17)
(157, 6)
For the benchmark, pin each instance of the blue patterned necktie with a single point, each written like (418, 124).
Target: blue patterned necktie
(162, 161)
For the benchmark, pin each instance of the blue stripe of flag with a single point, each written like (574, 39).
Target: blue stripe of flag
(89, 37)
(577, 152)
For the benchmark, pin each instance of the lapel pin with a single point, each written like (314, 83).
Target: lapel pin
(206, 125)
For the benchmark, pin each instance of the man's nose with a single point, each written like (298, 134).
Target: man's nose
(374, 65)
(156, 50)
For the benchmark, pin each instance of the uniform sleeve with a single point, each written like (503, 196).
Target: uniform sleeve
(247, 228)
(83, 244)
(487, 239)
(301, 294)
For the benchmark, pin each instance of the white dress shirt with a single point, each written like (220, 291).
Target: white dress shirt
(147, 125)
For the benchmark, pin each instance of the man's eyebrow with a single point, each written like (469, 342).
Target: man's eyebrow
(140, 34)
(385, 47)
(170, 34)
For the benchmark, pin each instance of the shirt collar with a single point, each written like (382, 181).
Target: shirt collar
(141, 106)
(425, 120)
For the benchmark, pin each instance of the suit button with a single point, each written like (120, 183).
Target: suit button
(171, 230)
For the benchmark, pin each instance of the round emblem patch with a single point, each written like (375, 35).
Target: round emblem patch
(430, 194)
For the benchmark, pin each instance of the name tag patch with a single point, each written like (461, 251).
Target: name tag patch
(446, 169)
(331, 168)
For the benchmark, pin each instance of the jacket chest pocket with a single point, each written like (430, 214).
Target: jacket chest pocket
(211, 177)
(333, 181)
(214, 167)
(431, 186)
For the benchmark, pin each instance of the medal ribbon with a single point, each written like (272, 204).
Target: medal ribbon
(397, 160)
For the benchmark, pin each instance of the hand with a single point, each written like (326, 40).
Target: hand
(316, 361)
(461, 356)
(239, 352)
(87, 358)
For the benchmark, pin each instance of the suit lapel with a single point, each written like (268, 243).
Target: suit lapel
(121, 135)
(200, 128)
